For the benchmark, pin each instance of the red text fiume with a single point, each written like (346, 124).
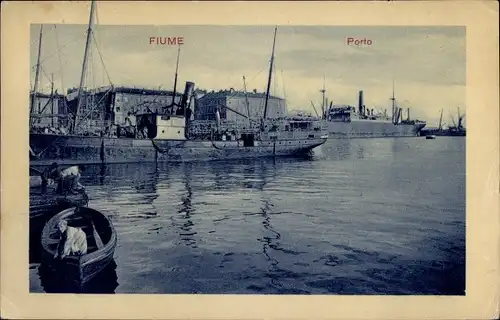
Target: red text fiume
(169, 41)
(358, 42)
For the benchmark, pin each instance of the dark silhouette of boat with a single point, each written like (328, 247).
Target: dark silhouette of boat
(101, 243)
(171, 134)
(105, 282)
(43, 207)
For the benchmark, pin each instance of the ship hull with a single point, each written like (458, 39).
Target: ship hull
(372, 129)
(95, 150)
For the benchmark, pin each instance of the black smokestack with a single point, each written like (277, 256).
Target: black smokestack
(360, 102)
(188, 93)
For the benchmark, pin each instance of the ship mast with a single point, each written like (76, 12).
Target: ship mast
(51, 100)
(270, 74)
(393, 104)
(284, 91)
(246, 99)
(323, 100)
(441, 120)
(84, 66)
(176, 71)
(37, 74)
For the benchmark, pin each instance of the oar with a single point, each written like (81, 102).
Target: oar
(97, 238)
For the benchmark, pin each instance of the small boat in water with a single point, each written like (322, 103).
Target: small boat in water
(42, 208)
(101, 243)
(432, 136)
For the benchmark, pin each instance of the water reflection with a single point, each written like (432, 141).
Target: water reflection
(265, 172)
(102, 174)
(182, 220)
(105, 282)
(147, 185)
(186, 208)
(270, 241)
(340, 149)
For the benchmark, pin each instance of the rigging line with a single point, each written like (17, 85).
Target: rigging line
(102, 60)
(255, 76)
(236, 92)
(260, 71)
(85, 116)
(45, 73)
(232, 96)
(276, 82)
(91, 67)
(49, 56)
(60, 60)
(284, 88)
(99, 36)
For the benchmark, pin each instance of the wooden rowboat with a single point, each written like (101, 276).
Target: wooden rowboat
(42, 208)
(101, 243)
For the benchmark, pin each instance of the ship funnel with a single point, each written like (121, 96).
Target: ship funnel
(360, 102)
(188, 94)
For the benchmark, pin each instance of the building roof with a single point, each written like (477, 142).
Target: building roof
(239, 94)
(73, 92)
(47, 95)
(133, 90)
(146, 91)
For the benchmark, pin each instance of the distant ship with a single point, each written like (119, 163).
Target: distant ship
(345, 121)
(457, 130)
(172, 135)
(349, 122)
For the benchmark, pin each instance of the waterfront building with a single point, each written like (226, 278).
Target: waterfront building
(237, 100)
(48, 110)
(111, 105)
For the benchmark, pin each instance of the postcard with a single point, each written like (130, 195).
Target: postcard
(250, 160)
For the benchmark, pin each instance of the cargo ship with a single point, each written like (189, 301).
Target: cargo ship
(457, 130)
(172, 135)
(347, 121)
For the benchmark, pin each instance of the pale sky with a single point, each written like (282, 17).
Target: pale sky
(426, 63)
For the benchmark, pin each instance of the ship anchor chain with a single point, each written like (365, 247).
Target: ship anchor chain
(160, 150)
(215, 146)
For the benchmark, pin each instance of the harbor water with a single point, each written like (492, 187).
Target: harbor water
(361, 216)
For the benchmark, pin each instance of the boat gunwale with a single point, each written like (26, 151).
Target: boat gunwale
(83, 259)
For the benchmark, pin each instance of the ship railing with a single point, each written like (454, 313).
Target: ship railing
(88, 128)
(204, 127)
(96, 128)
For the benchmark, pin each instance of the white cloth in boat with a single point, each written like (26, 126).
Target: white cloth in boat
(75, 240)
(72, 172)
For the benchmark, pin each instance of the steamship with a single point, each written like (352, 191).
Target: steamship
(172, 135)
(350, 122)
